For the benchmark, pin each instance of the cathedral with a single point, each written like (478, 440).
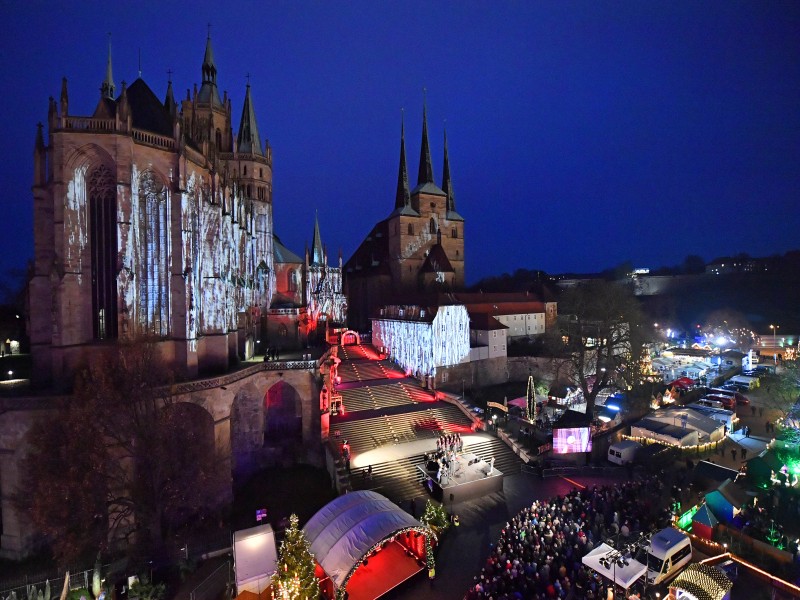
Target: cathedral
(154, 218)
(419, 247)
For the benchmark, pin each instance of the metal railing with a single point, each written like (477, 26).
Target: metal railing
(212, 587)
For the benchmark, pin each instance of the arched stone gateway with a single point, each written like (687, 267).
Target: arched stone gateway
(283, 418)
(350, 337)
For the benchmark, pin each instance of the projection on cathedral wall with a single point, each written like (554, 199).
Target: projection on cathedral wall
(419, 346)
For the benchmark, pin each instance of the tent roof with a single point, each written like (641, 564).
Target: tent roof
(348, 527)
(705, 516)
(624, 576)
(704, 582)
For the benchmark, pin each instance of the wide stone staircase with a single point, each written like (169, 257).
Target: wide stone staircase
(375, 397)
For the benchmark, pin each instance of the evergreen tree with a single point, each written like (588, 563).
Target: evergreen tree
(295, 579)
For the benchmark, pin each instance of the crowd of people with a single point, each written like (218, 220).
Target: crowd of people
(539, 552)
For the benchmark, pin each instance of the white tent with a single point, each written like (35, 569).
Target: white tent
(348, 527)
(624, 576)
(255, 558)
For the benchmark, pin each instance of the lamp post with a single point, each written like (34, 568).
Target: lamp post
(775, 342)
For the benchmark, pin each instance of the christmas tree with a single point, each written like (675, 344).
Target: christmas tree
(295, 579)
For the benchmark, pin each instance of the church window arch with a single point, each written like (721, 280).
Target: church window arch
(454, 233)
(153, 276)
(432, 226)
(244, 171)
(103, 244)
(410, 229)
(291, 280)
(218, 139)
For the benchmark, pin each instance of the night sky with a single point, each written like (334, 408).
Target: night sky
(581, 134)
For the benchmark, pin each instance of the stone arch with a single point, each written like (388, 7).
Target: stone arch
(350, 337)
(283, 417)
(246, 431)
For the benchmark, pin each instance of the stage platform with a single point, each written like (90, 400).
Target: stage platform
(383, 572)
(471, 478)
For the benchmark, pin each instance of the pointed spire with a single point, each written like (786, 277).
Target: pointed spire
(425, 164)
(108, 88)
(317, 252)
(64, 97)
(248, 141)
(403, 198)
(209, 68)
(208, 90)
(447, 183)
(169, 101)
(39, 137)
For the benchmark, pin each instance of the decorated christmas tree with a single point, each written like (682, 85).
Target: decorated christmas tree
(530, 400)
(295, 579)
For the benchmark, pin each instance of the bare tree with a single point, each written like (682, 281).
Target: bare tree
(136, 463)
(605, 336)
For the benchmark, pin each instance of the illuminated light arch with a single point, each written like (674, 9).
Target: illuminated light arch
(283, 418)
(350, 338)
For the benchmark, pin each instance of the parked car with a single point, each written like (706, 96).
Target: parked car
(727, 402)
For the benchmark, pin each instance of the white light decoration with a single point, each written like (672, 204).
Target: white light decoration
(420, 346)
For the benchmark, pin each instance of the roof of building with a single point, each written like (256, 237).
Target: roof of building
(282, 254)
(248, 140)
(673, 431)
(694, 419)
(147, 111)
(347, 528)
(572, 418)
(733, 493)
(428, 187)
(437, 261)
(372, 255)
(484, 322)
(705, 470)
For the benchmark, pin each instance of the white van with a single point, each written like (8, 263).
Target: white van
(623, 452)
(669, 551)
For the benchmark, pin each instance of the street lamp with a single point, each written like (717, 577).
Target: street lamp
(774, 341)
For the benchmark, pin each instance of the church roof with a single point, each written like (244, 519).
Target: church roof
(282, 254)
(437, 261)
(248, 141)
(428, 187)
(147, 111)
(372, 256)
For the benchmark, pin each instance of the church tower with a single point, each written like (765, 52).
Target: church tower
(419, 247)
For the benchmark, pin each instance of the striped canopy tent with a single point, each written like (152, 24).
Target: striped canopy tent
(703, 582)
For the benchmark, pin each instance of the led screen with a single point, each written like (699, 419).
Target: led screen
(573, 439)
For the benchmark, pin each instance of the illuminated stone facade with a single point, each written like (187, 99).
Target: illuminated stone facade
(422, 339)
(419, 247)
(150, 218)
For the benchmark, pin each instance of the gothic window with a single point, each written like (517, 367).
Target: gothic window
(244, 171)
(432, 226)
(292, 280)
(454, 233)
(103, 231)
(154, 250)
(219, 140)
(410, 229)
(261, 173)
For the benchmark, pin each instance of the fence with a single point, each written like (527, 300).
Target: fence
(78, 579)
(213, 586)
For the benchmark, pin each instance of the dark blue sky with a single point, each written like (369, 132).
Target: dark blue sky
(581, 134)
